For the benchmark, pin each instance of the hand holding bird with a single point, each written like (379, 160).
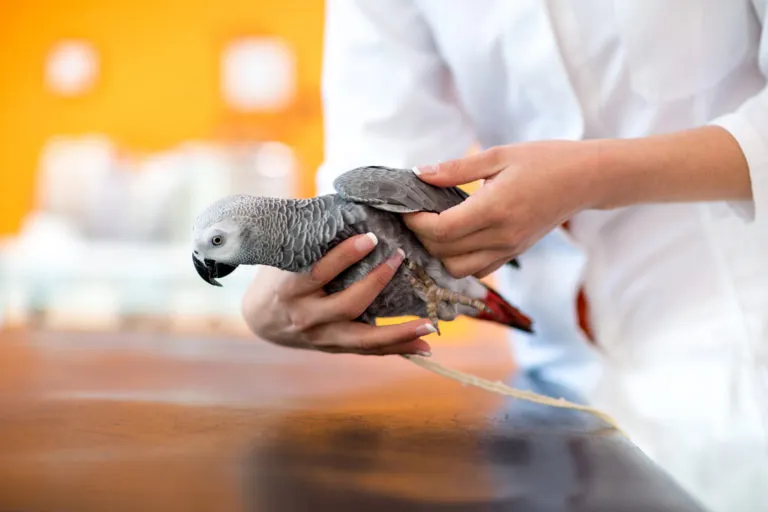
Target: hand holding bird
(304, 236)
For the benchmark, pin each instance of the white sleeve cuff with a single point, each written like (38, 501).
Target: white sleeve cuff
(755, 149)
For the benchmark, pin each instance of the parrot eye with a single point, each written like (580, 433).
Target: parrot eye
(217, 240)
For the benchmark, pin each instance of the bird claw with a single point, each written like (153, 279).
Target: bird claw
(435, 325)
(434, 295)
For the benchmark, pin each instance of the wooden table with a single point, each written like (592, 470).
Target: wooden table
(153, 422)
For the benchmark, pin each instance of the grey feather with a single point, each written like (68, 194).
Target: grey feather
(292, 234)
(395, 190)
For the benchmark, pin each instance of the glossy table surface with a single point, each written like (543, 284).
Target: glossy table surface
(142, 421)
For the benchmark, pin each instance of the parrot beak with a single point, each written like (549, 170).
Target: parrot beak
(209, 270)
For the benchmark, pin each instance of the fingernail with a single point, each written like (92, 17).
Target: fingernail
(423, 353)
(366, 242)
(396, 259)
(424, 169)
(425, 329)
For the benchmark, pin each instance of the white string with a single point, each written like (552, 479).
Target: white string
(502, 389)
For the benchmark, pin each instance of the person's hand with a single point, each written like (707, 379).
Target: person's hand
(529, 189)
(292, 310)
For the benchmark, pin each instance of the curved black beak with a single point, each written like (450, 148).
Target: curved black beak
(209, 270)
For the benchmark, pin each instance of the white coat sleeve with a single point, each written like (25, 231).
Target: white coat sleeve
(387, 95)
(749, 126)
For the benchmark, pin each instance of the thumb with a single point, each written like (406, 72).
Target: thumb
(461, 171)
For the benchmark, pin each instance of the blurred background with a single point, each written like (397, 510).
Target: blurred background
(119, 121)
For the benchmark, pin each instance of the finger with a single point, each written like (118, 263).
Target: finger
(462, 170)
(357, 337)
(491, 268)
(489, 238)
(337, 260)
(472, 215)
(476, 213)
(417, 346)
(470, 264)
(352, 302)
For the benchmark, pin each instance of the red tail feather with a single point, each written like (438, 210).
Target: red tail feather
(503, 312)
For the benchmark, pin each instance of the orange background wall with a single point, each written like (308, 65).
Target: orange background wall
(158, 82)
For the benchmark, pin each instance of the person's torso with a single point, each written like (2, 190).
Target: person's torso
(538, 69)
(531, 70)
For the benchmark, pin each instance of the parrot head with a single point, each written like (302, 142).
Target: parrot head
(245, 230)
(214, 248)
(219, 234)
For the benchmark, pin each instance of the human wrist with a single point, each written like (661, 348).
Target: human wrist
(591, 180)
(616, 173)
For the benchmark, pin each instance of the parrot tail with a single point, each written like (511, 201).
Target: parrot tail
(503, 312)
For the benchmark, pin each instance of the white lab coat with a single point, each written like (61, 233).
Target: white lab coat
(678, 292)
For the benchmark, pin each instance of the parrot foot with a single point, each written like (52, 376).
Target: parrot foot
(435, 295)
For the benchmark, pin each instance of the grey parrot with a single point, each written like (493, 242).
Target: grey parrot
(292, 234)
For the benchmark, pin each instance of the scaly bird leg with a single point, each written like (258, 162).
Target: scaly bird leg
(452, 297)
(435, 295)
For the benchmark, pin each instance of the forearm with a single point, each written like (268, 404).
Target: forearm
(702, 164)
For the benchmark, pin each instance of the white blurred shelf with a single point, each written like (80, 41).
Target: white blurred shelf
(109, 239)
(98, 283)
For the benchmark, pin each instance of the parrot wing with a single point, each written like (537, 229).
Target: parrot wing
(395, 190)
(398, 191)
